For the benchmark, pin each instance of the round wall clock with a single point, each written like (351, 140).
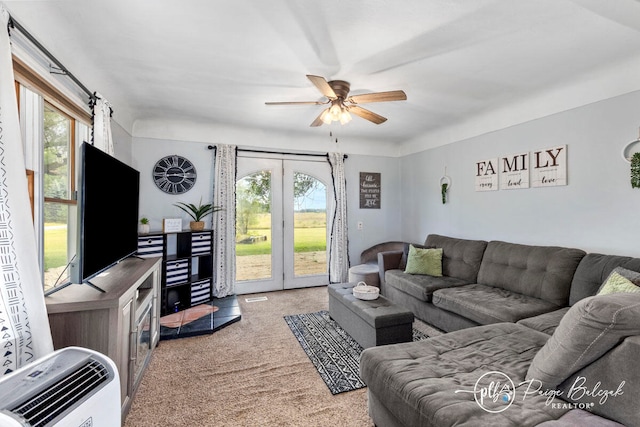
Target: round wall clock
(174, 174)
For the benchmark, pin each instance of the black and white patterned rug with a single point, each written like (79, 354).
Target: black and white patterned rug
(332, 351)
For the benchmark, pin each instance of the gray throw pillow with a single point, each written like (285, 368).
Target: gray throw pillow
(591, 327)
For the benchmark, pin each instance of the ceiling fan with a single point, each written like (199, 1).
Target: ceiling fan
(337, 93)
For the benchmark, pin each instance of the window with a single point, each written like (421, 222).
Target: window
(53, 128)
(58, 189)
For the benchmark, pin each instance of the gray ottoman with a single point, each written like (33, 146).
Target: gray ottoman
(367, 273)
(370, 323)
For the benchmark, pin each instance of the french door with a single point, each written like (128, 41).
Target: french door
(283, 212)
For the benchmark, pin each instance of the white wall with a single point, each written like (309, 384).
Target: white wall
(122, 143)
(597, 211)
(379, 224)
(156, 204)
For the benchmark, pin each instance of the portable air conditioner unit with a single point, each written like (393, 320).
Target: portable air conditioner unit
(71, 387)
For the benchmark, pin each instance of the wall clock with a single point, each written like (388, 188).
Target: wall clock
(174, 174)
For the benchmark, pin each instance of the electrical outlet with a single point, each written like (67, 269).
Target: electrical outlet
(360, 225)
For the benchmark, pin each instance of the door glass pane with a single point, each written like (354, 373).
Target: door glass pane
(310, 225)
(253, 226)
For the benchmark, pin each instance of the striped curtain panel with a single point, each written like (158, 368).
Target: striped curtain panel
(102, 137)
(24, 326)
(224, 221)
(339, 246)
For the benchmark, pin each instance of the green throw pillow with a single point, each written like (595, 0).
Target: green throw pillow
(424, 261)
(616, 283)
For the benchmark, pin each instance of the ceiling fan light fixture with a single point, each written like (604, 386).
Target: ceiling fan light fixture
(335, 110)
(326, 117)
(336, 92)
(345, 117)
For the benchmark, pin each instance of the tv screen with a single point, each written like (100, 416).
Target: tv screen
(108, 212)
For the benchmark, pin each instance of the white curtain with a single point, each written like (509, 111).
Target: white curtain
(224, 221)
(102, 138)
(339, 246)
(23, 316)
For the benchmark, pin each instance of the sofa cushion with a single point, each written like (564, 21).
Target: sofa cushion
(547, 322)
(431, 382)
(543, 272)
(590, 328)
(424, 261)
(616, 282)
(419, 286)
(486, 304)
(593, 270)
(461, 258)
(580, 418)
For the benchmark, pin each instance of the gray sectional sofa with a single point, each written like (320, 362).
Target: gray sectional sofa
(528, 342)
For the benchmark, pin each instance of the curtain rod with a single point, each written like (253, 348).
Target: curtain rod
(15, 24)
(213, 147)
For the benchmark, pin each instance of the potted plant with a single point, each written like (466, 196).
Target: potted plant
(197, 213)
(144, 225)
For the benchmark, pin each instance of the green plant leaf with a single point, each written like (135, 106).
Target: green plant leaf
(635, 171)
(198, 212)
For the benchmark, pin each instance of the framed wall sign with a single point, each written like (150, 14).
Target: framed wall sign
(370, 183)
(549, 167)
(514, 171)
(171, 225)
(487, 175)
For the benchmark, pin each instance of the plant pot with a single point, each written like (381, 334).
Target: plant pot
(144, 228)
(196, 225)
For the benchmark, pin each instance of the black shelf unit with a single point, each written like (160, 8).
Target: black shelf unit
(187, 266)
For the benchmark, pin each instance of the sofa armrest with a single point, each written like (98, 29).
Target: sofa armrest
(388, 260)
(371, 254)
(615, 378)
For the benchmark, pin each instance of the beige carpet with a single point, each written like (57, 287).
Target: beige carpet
(251, 373)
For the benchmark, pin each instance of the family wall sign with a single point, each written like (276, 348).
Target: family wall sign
(541, 168)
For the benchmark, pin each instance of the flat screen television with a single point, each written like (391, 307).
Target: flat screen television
(108, 198)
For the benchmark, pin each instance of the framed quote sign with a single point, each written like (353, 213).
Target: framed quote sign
(487, 175)
(549, 167)
(370, 184)
(514, 171)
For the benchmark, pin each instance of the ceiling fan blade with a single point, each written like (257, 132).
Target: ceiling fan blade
(367, 115)
(394, 95)
(322, 85)
(318, 121)
(296, 103)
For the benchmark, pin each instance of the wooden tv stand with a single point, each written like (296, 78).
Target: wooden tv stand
(123, 322)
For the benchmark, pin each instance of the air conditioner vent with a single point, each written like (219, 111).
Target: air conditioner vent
(53, 401)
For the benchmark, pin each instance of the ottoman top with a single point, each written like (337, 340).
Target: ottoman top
(378, 313)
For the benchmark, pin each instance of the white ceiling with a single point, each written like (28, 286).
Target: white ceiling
(467, 67)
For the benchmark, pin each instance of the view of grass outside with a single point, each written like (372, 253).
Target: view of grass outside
(310, 244)
(253, 227)
(55, 252)
(310, 234)
(55, 245)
